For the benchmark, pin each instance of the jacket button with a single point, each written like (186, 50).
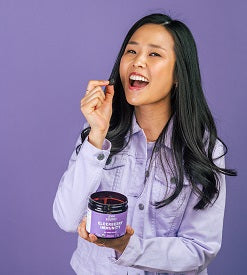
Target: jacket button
(100, 156)
(147, 174)
(141, 206)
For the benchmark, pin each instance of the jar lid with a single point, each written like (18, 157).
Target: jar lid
(108, 202)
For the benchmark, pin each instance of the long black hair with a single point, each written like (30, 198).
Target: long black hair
(192, 119)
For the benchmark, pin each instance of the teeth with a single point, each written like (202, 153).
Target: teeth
(138, 77)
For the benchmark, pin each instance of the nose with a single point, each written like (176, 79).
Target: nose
(139, 61)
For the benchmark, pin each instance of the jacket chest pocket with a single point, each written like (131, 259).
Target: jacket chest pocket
(136, 183)
(112, 173)
(168, 216)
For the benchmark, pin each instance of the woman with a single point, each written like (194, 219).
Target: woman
(151, 137)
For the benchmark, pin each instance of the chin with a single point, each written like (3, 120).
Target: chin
(135, 102)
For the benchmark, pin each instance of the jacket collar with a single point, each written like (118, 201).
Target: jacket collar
(136, 128)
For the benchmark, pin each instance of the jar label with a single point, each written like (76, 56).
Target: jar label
(106, 225)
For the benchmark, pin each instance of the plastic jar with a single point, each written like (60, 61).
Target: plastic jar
(107, 214)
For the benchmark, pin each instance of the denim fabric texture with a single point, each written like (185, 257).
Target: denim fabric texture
(175, 239)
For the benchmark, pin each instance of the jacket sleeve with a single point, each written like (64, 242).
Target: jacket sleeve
(196, 244)
(81, 179)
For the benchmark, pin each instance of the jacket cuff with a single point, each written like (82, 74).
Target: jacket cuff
(130, 253)
(92, 153)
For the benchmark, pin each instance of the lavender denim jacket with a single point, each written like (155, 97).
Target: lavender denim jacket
(175, 239)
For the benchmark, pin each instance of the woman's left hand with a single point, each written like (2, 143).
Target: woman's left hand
(118, 244)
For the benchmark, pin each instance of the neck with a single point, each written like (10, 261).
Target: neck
(152, 120)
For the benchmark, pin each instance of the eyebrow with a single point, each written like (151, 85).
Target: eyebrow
(150, 45)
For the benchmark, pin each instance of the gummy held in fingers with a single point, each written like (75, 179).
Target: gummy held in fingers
(111, 81)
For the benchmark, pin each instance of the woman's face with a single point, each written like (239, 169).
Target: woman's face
(147, 65)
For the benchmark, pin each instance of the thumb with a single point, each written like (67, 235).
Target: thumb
(109, 93)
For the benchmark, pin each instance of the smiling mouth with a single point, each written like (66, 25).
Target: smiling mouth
(137, 82)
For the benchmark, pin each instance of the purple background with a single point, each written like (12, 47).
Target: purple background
(48, 52)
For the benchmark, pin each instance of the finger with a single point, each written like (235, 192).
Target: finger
(82, 230)
(93, 83)
(96, 100)
(98, 104)
(88, 236)
(80, 225)
(109, 92)
(96, 92)
(91, 106)
(129, 230)
(92, 238)
(94, 89)
(95, 240)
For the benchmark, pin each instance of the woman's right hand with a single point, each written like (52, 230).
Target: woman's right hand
(97, 106)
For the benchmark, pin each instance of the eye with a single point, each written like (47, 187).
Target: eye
(131, 51)
(154, 54)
